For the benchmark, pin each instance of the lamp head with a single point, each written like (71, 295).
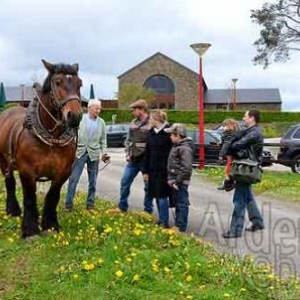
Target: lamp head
(200, 48)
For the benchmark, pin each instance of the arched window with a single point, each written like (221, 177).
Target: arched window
(161, 84)
(164, 90)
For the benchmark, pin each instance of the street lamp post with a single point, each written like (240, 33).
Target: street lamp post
(234, 80)
(200, 49)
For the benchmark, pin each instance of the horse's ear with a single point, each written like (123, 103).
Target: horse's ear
(48, 66)
(76, 67)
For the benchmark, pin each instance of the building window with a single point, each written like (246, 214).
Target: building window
(164, 90)
(161, 84)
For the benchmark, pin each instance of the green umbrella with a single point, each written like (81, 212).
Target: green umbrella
(2, 96)
(92, 95)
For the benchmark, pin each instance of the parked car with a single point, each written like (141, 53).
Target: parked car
(116, 134)
(289, 151)
(212, 146)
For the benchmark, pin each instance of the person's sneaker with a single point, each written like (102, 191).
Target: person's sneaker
(255, 227)
(68, 208)
(227, 183)
(116, 210)
(162, 224)
(90, 207)
(231, 235)
(220, 188)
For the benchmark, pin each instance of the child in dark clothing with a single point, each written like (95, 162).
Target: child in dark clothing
(229, 135)
(180, 172)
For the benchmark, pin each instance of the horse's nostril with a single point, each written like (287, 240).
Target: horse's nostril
(73, 119)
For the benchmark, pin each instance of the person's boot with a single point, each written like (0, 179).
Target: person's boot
(229, 185)
(226, 182)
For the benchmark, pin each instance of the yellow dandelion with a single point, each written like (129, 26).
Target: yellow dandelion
(119, 273)
(167, 270)
(129, 259)
(136, 277)
(75, 276)
(202, 287)
(108, 229)
(100, 261)
(137, 232)
(89, 267)
(243, 290)
(189, 297)
(117, 262)
(189, 278)
(115, 247)
(155, 268)
(226, 295)
(10, 239)
(61, 268)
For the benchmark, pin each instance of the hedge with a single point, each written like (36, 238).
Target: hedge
(125, 116)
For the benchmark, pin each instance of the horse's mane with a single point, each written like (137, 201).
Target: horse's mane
(58, 69)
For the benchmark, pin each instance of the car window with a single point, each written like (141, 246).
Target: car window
(296, 134)
(210, 139)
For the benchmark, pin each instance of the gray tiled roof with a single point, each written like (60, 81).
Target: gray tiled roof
(14, 94)
(267, 95)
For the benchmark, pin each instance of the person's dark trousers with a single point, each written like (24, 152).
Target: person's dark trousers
(130, 172)
(182, 206)
(242, 200)
(92, 169)
(163, 211)
(254, 214)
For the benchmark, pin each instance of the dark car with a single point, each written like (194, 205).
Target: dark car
(289, 151)
(212, 142)
(212, 146)
(116, 135)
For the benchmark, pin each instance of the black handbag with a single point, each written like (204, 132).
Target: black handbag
(247, 170)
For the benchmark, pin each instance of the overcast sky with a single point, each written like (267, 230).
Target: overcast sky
(107, 38)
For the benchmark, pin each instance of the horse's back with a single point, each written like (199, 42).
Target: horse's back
(11, 119)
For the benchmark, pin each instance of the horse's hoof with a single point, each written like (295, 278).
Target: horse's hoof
(14, 213)
(50, 232)
(32, 238)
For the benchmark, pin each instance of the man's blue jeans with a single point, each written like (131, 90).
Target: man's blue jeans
(92, 170)
(130, 172)
(163, 211)
(243, 199)
(182, 206)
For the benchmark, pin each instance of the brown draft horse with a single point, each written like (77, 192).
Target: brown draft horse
(40, 142)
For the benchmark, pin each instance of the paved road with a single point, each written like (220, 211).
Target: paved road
(210, 212)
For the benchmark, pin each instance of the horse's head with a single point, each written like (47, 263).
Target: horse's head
(64, 85)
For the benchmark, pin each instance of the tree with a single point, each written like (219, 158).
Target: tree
(280, 33)
(132, 92)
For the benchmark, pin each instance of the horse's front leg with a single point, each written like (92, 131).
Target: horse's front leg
(12, 205)
(30, 219)
(49, 219)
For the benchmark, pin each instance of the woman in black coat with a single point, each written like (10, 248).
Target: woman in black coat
(155, 163)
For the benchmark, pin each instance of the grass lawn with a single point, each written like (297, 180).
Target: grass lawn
(107, 255)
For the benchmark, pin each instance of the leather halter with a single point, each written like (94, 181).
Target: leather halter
(33, 124)
(61, 103)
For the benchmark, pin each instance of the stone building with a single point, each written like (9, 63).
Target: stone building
(177, 87)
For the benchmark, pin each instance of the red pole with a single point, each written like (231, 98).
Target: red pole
(201, 118)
